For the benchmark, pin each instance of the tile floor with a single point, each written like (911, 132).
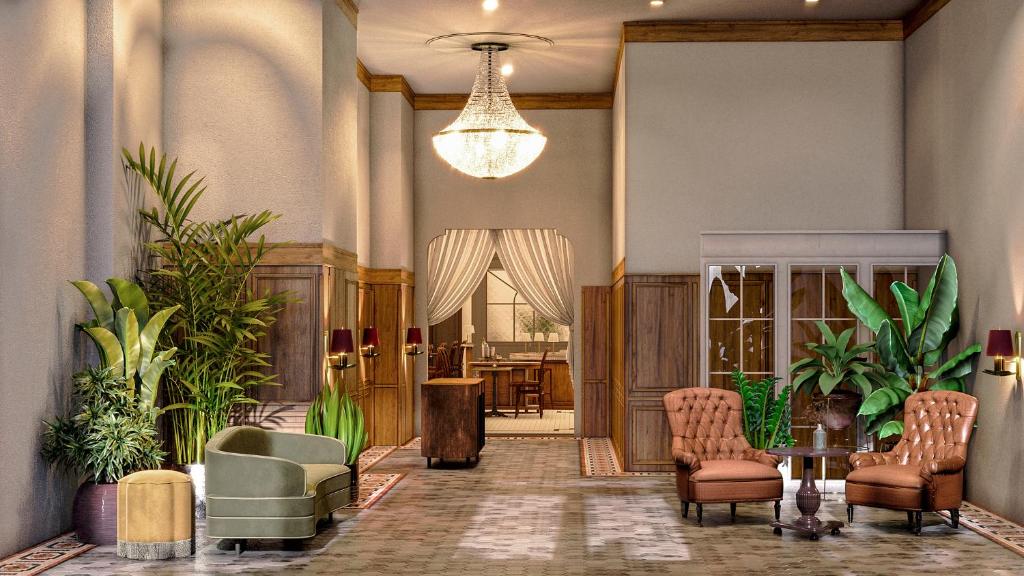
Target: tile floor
(554, 423)
(525, 510)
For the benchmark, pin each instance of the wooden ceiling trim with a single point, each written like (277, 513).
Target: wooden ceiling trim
(762, 30)
(363, 74)
(350, 10)
(918, 16)
(392, 83)
(525, 101)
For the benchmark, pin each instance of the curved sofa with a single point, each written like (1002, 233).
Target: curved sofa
(265, 484)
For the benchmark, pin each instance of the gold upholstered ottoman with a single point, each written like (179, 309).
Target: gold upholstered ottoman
(155, 518)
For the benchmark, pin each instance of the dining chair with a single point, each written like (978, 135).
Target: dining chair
(534, 387)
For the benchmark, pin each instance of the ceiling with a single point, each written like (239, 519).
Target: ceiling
(392, 35)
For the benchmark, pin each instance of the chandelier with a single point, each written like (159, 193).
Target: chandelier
(489, 139)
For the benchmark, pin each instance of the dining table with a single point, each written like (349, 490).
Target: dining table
(496, 366)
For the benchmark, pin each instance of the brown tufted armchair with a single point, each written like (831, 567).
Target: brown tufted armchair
(714, 461)
(924, 472)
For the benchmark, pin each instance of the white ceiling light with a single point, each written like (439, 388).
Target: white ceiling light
(657, 3)
(489, 139)
(490, 5)
(507, 69)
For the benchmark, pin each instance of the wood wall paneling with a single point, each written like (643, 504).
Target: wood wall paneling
(293, 341)
(617, 368)
(595, 360)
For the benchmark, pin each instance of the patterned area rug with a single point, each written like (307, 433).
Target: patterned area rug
(373, 455)
(373, 487)
(40, 558)
(413, 444)
(995, 528)
(597, 459)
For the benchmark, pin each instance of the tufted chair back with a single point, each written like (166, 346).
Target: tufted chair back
(707, 422)
(936, 425)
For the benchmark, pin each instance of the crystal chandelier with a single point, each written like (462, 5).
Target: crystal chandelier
(489, 139)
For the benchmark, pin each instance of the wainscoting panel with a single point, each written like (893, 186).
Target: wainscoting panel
(617, 369)
(595, 361)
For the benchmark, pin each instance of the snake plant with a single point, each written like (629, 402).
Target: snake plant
(911, 351)
(126, 336)
(767, 417)
(333, 413)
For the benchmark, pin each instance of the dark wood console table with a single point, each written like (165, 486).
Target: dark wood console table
(452, 419)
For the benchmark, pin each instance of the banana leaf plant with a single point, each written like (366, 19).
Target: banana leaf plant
(333, 413)
(767, 418)
(126, 335)
(834, 362)
(912, 351)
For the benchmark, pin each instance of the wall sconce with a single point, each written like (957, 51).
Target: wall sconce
(341, 347)
(413, 339)
(371, 341)
(1000, 347)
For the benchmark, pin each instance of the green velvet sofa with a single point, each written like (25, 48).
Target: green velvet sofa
(265, 484)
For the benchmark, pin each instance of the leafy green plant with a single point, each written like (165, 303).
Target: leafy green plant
(911, 350)
(109, 436)
(767, 417)
(333, 413)
(126, 335)
(206, 268)
(834, 362)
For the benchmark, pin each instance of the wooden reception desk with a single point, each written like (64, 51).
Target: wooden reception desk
(452, 419)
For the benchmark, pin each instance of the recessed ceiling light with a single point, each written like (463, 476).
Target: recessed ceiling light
(490, 5)
(811, 1)
(657, 3)
(507, 69)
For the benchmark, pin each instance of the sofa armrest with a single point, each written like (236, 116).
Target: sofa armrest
(686, 459)
(762, 457)
(306, 448)
(251, 476)
(942, 466)
(860, 460)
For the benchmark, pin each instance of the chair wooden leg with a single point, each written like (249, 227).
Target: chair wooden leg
(910, 520)
(778, 510)
(732, 511)
(917, 523)
(954, 517)
(700, 514)
(849, 513)
(686, 508)
(518, 396)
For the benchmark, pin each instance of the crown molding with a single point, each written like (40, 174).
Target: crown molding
(350, 10)
(392, 83)
(525, 101)
(918, 16)
(762, 30)
(363, 74)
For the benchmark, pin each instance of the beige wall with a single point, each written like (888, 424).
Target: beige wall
(965, 174)
(244, 104)
(758, 136)
(392, 122)
(340, 156)
(43, 233)
(569, 187)
(362, 207)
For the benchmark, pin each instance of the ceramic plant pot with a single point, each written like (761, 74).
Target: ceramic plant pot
(94, 513)
(838, 410)
(198, 474)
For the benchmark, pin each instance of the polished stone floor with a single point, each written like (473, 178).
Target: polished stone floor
(525, 510)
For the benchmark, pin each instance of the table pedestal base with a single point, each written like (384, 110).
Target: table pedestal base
(808, 500)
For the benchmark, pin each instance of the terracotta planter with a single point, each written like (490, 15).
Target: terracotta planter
(838, 410)
(95, 513)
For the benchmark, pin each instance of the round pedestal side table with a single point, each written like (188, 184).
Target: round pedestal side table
(808, 498)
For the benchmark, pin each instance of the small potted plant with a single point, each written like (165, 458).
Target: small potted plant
(109, 435)
(834, 363)
(333, 413)
(767, 417)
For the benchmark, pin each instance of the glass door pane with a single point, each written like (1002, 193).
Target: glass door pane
(816, 294)
(741, 323)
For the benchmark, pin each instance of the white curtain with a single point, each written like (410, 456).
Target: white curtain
(456, 264)
(539, 263)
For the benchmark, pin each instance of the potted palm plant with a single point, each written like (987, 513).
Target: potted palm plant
(205, 267)
(833, 363)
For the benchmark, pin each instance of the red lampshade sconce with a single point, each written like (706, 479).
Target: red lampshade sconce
(1001, 348)
(341, 347)
(370, 343)
(413, 339)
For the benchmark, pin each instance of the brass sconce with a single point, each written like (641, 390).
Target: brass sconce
(413, 339)
(341, 347)
(370, 343)
(1005, 350)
